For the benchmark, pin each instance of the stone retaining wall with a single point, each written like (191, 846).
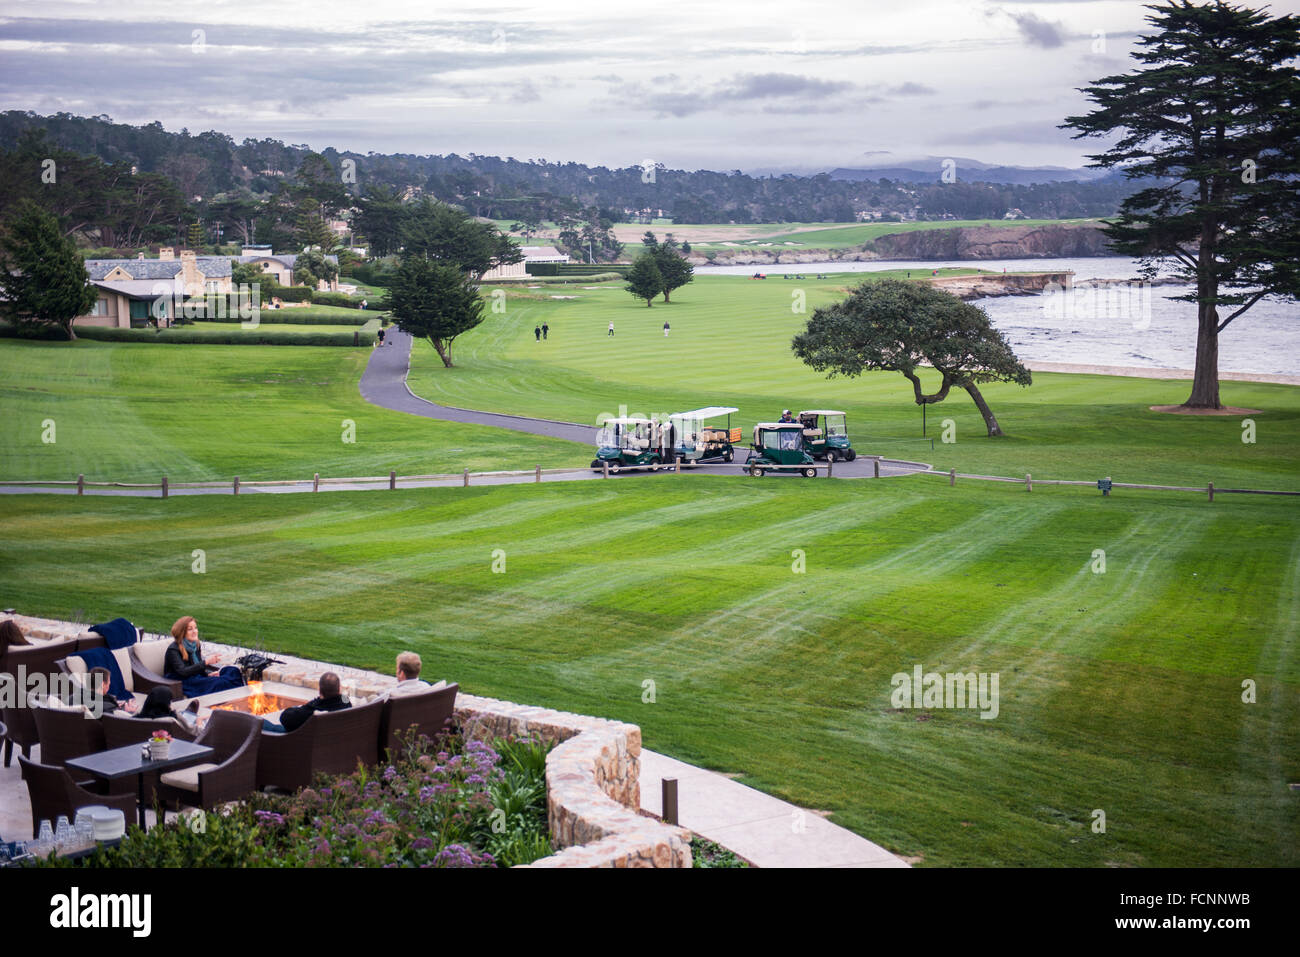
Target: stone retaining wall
(593, 775)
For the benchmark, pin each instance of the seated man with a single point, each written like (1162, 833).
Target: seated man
(291, 719)
(408, 677)
(99, 678)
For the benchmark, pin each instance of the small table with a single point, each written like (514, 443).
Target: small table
(123, 762)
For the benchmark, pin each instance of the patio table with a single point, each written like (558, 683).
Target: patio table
(128, 760)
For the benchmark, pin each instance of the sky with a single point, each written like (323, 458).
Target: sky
(714, 84)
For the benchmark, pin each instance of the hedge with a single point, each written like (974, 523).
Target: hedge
(576, 269)
(235, 337)
(306, 317)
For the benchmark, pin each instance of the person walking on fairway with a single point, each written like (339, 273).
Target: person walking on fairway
(545, 330)
(665, 329)
(537, 333)
(381, 336)
(611, 328)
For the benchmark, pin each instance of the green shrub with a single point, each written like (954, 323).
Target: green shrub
(290, 294)
(340, 299)
(235, 336)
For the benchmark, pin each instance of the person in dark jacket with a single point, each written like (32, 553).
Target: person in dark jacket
(291, 719)
(184, 663)
(100, 678)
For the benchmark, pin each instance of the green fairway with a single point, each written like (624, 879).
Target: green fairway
(730, 345)
(1120, 691)
(846, 236)
(137, 411)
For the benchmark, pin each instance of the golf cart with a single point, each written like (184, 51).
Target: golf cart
(778, 447)
(826, 436)
(624, 442)
(698, 442)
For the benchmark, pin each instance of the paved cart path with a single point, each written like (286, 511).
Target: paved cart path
(384, 384)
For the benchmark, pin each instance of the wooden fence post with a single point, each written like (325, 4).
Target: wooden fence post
(669, 793)
(875, 468)
(392, 480)
(164, 487)
(952, 477)
(678, 464)
(830, 463)
(315, 482)
(1029, 482)
(1211, 490)
(81, 485)
(467, 476)
(604, 464)
(236, 484)
(538, 474)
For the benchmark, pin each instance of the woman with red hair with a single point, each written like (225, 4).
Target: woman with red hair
(184, 663)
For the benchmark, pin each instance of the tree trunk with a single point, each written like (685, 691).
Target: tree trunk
(1205, 378)
(989, 421)
(444, 351)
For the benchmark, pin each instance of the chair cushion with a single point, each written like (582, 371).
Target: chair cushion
(186, 779)
(437, 685)
(152, 654)
(123, 656)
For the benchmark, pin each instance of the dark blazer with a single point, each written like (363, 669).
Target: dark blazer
(176, 668)
(295, 718)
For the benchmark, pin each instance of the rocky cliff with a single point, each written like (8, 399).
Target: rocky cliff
(994, 242)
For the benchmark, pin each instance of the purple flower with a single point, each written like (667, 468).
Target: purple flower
(427, 795)
(454, 855)
(269, 817)
(373, 818)
(390, 772)
(421, 844)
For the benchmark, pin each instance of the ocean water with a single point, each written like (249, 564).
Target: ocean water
(1132, 325)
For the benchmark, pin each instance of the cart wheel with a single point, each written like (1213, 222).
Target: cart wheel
(615, 467)
(727, 456)
(755, 471)
(809, 473)
(595, 466)
(850, 455)
(654, 465)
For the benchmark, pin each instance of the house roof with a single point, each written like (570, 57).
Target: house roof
(285, 259)
(542, 254)
(213, 267)
(136, 288)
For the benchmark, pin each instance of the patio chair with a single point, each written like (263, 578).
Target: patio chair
(430, 713)
(329, 742)
(21, 732)
(121, 730)
(53, 792)
(67, 734)
(236, 738)
(141, 666)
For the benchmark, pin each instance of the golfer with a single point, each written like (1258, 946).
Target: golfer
(665, 330)
(611, 328)
(537, 333)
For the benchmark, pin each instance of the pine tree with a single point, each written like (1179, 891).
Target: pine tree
(43, 279)
(1214, 115)
(644, 280)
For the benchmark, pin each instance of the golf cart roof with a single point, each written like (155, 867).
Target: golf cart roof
(627, 420)
(821, 412)
(779, 425)
(706, 413)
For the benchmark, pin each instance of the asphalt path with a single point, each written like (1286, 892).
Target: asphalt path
(384, 384)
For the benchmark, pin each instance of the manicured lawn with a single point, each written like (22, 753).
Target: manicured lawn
(1118, 691)
(137, 411)
(845, 236)
(730, 345)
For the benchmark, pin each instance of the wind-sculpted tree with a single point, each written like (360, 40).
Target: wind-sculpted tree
(900, 326)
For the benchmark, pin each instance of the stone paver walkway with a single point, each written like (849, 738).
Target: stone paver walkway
(760, 828)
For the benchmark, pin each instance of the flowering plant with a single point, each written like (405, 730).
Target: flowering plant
(160, 735)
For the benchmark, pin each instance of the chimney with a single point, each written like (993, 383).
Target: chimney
(166, 253)
(190, 273)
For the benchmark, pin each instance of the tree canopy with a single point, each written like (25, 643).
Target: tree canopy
(435, 301)
(43, 280)
(1215, 114)
(644, 279)
(898, 326)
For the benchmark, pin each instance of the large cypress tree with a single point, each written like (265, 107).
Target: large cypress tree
(1214, 114)
(43, 280)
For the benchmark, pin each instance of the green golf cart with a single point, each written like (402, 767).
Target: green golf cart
(624, 442)
(697, 441)
(778, 447)
(825, 436)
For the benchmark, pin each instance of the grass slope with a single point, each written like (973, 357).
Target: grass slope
(1119, 691)
(137, 411)
(730, 345)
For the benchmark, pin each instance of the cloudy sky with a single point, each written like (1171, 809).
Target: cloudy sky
(717, 84)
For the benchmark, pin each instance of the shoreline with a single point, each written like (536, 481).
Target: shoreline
(1143, 372)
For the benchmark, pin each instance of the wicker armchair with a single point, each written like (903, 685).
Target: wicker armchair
(330, 742)
(53, 792)
(431, 713)
(67, 734)
(235, 737)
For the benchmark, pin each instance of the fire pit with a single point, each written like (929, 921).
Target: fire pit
(259, 698)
